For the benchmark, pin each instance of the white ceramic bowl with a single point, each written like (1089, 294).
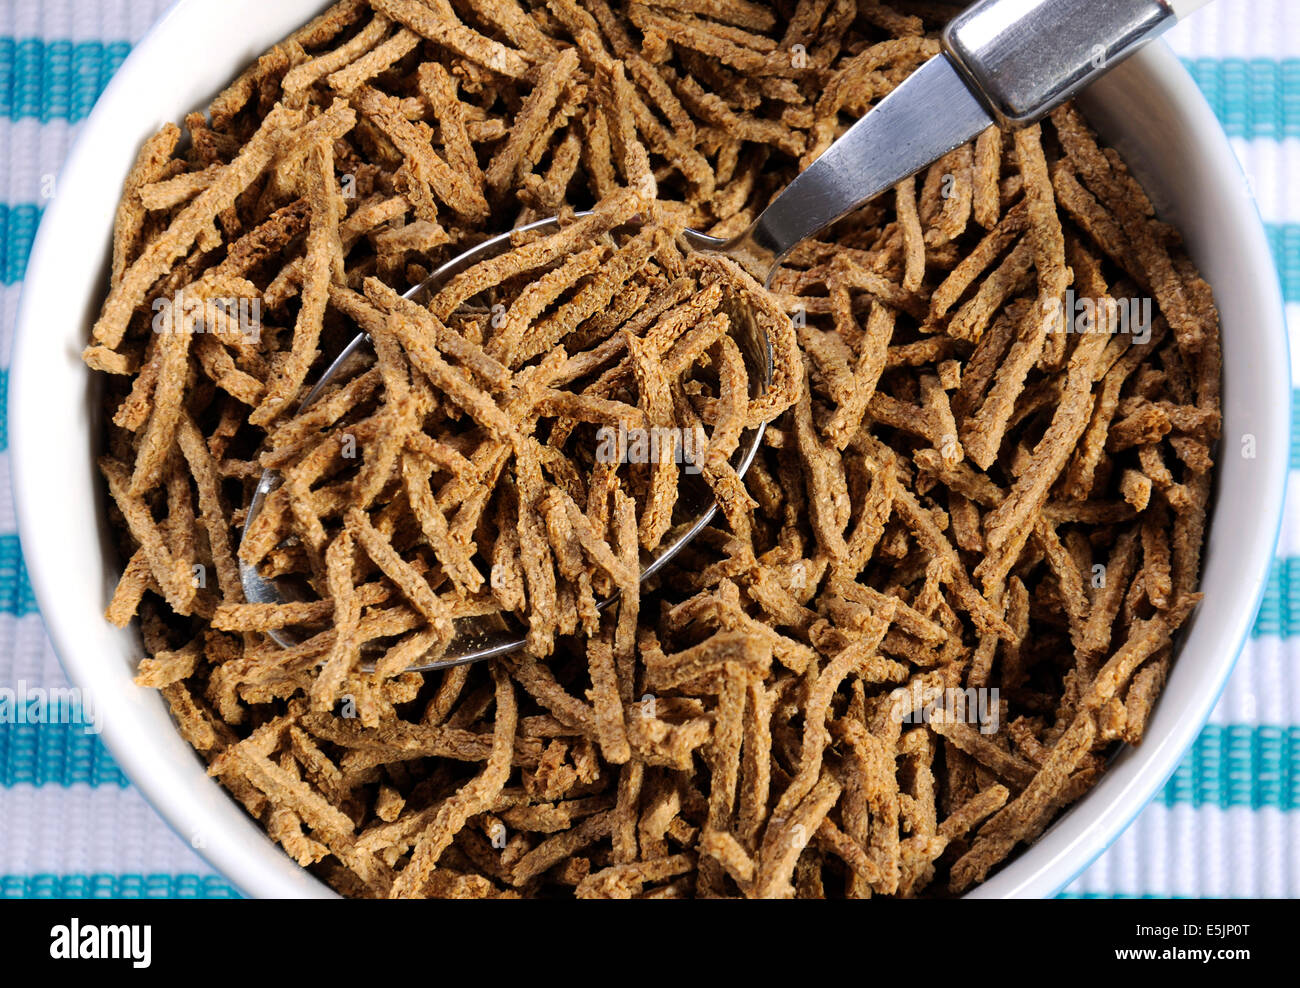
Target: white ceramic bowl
(1149, 108)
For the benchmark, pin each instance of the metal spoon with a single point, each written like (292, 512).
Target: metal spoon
(1008, 62)
(484, 638)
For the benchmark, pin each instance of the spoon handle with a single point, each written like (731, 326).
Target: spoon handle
(1008, 62)
(1026, 57)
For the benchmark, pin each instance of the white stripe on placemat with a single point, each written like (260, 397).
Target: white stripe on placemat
(1239, 29)
(85, 830)
(1271, 167)
(31, 155)
(80, 20)
(1264, 688)
(1201, 852)
(27, 656)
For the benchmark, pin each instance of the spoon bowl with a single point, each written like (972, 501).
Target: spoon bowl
(485, 637)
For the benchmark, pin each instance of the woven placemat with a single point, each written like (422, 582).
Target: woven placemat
(1225, 825)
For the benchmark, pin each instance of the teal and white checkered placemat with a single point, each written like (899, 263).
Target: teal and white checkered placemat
(1227, 824)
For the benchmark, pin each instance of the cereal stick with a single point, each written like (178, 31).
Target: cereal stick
(827, 488)
(1080, 479)
(605, 700)
(475, 797)
(533, 300)
(412, 585)
(1006, 766)
(724, 749)
(551, 852)
(1030, 491)
(623, 830)
(742, 13)
(935, 401)
(535, 553)
(999, 238)
(964, 819)
(203, 468)
(533, 115)
(730, 854)
(982, 432)
(135, 580)
(573, 569)
(324, 266)
(1068, 578)
(781, 847)
(348, 79)
(656, 517)
(439, 91)
(913, 238)
(597, 154)
(159, 434)
(158, 257)
(1008, 278)
(815, 735)
(150, 166)
(609, 213)
(629, 606)
(514, 22)
(439, 24)
(166, 194)
(455, 555)
(347, 613)
(922, 524)
(171, 574)
(957, 195)
(426, 165)
(1141, 696)
(301, 77)
(220, 367)
(986, 203)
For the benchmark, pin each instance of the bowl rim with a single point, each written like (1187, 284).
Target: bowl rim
(1069, 846)
(250, 868)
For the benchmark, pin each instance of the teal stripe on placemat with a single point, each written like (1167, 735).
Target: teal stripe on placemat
(1295, 429)
(1284, 239)
(115, 887)
(4, 405)
(1239, 766)
(1279, 612)
(55, 80)
(16, 595)
(17, 231)
(54, 755)
(1254, 98)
